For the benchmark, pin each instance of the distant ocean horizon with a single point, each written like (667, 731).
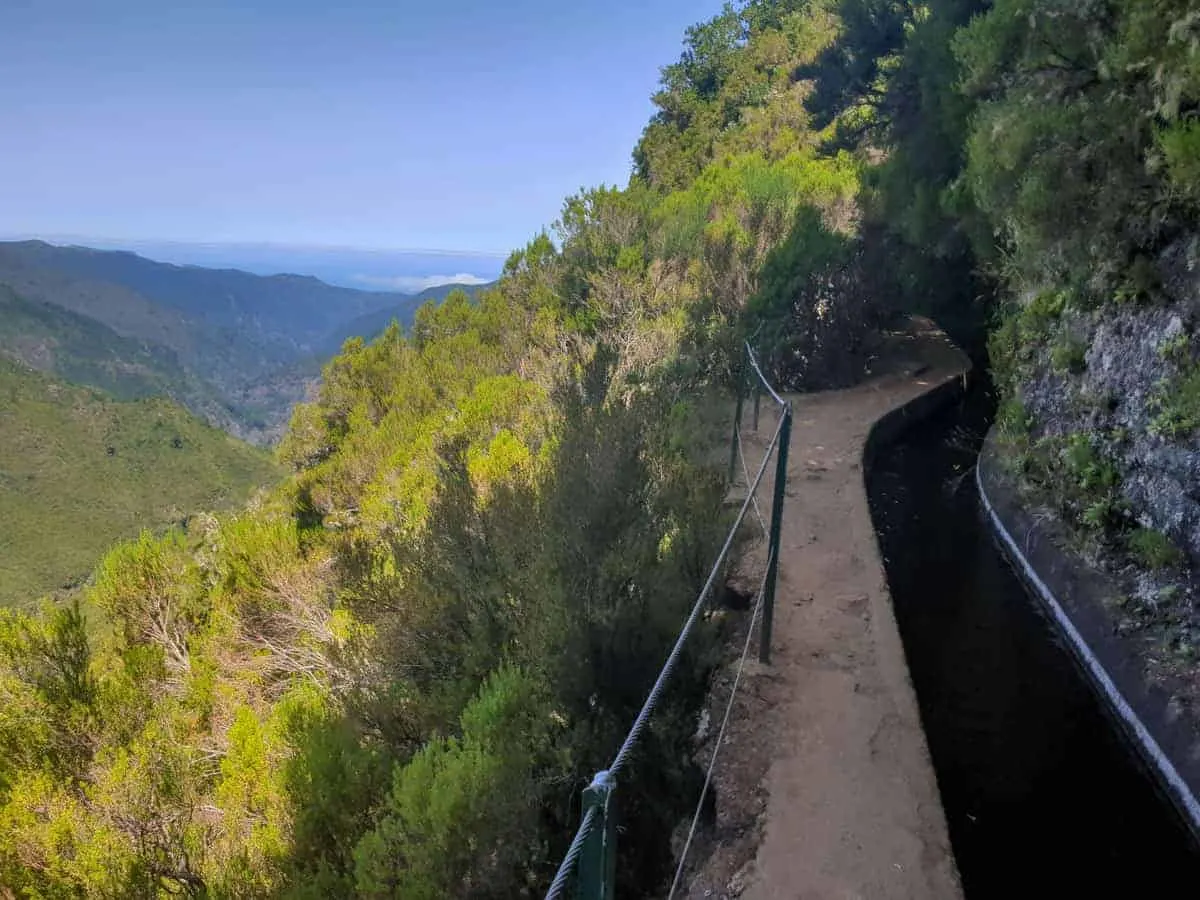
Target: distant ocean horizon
(407, 271)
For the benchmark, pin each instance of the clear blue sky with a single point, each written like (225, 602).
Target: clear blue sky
(450, 124)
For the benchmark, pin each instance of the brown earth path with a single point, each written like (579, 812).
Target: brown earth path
(824, 786)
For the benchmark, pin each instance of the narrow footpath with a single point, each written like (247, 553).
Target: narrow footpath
(824, 787)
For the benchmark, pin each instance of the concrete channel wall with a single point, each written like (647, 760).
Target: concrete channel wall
(1072, 594)
(891, 427)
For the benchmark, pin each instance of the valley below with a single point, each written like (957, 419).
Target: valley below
(135, 394)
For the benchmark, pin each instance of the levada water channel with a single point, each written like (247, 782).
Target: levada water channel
(1043, 794)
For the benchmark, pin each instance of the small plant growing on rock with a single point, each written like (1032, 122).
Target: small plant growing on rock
(1141, 282)
(1153, 549)
(1005, 349)
(1180, 143)
(1013, 419)
(1080, 480)
(1103, 514)
(1085, 465)
(1177, 406)
(1176, 349)
(1069, 355)
(1044, 310)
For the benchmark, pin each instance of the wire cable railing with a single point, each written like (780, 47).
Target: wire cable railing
(720, 739)
(591, 856)
(737, 441)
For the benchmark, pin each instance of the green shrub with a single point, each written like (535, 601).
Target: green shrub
(1176, 349)
(1020, 330)
(1153, 549)
(1104, 514)
(1180, 144)
(1045, 309)
(1013, 419)
(1069, 355)
(1085, 465)
(1177, 406)
(1005, 348)
(1078, 479)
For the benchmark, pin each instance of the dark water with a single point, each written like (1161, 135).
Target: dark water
(1042, 794)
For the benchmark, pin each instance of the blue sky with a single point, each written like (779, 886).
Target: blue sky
(435, 125)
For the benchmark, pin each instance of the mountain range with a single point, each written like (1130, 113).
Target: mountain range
(235, 348)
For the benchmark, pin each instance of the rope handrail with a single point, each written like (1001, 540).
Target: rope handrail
(652, 700)
(712, 761)
(564, 870)
(605, 781)
(563, 875)
(761, 377)
(737, 442)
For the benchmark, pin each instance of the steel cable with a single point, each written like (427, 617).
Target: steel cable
(721, 733)
(669, 666)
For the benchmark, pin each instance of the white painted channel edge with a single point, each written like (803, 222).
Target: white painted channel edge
(1179, 787)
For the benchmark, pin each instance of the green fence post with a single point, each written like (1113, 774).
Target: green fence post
(781, 461)
(598, 859)
(740, 382)
(757, 399)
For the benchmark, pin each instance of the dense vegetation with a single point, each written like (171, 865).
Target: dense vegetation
(80, 470)
(392, 676)
(1082, 160)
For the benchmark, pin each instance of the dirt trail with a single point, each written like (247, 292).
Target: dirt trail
(824, 786)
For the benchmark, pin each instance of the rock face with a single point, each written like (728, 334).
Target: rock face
(1135, 353)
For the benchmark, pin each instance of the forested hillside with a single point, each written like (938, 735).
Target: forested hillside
(392, 677)
(278, 314)
(84, 351)
(238, 350)
(80, 470)
(370, 325)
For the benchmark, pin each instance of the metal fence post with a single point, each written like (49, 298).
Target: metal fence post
(781, 462)
(740, 382)
(757, 400)
(598, 859)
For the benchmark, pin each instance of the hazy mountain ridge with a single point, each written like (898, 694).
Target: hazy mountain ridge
(237, 349)
(288, 309)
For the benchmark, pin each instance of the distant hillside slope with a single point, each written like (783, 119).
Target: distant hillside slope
(288, 310)
(80, 470)
(237, 349)
(83, 350)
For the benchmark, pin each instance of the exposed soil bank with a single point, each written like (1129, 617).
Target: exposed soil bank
(1042, 792)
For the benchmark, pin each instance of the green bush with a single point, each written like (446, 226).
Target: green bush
(1176, 349)
(1069, 355)
(1013, 419)
(1087, 468)
(1177, 406)
(1005, 348)
(464, 811)
(1153, 549)
(1078, 479)
(1044, 310)
(1180, 143)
